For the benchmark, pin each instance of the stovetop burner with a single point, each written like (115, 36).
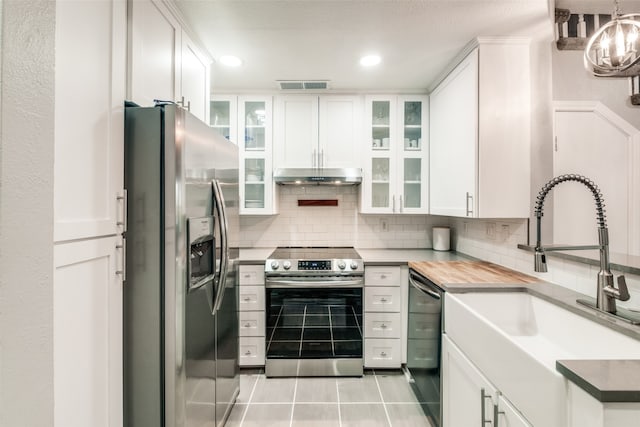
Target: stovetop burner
(314, 252)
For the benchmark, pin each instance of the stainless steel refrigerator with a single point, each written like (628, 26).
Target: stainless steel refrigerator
(180, 290)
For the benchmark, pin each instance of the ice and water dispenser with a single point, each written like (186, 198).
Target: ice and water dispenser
(202, 251)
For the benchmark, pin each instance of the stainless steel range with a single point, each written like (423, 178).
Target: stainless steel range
(314, 312)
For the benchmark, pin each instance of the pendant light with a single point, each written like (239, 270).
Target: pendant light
(612, 51)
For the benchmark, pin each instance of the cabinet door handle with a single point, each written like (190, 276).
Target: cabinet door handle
(383, 354)
(383, 326)
(496, 415)
(322, 158)
(469, 210)
(383, 300)
(247, 298)
(483, 397)
(247, 353)
(314, 158)
(401, 204)
(394, 202)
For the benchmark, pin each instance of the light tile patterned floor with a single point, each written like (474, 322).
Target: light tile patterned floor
(382, 398)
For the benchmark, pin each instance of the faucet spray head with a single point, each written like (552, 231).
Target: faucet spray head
(540, 261)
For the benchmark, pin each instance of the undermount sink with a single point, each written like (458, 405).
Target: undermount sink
(515, 338)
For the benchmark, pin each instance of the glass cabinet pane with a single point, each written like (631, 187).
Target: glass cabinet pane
(380, 121)
(412, 183)
(412, 125)
(255, 116)
(254, 183)
(220, 117)
(380, 182)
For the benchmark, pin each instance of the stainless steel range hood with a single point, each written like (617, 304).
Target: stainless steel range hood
(318, 176)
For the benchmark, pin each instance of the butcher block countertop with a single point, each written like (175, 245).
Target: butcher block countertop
(465, 272)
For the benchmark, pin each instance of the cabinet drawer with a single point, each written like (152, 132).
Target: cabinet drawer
(251, 298)
(382, 276)
(419, 302)
(381, 298)
(423, 353)
(382, 353)
(424, 325)
(382, 325)
(251, 323)
(252, 275)
(251, 351)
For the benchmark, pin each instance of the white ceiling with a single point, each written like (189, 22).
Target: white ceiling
(324, 39)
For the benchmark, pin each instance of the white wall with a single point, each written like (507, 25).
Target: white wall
(26, 213)
(334, 226)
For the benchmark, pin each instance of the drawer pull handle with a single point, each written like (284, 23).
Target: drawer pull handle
(246, 276)
(383, 300)
(383, 326)
(247, 353)
(383, 354)
(383, 276)
(247, 325)
(247, 298)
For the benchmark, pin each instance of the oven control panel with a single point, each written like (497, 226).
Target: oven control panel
(314, 265)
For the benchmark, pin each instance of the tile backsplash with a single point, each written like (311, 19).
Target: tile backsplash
(493, 240)
(496, 240)
(340, 225)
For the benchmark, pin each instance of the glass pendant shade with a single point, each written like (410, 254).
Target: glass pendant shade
(612, 51)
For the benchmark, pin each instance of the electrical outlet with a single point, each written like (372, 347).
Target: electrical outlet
(505, 232)
(491, 230)
(384, 224)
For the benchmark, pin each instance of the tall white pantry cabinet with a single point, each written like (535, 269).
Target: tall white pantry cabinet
(90, 85)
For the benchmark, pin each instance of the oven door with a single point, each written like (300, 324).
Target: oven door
(314, 326)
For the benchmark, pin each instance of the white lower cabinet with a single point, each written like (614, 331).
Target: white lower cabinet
(252, 315)
(468, 397)
(383, 321)
(87, 333)
(508, 416)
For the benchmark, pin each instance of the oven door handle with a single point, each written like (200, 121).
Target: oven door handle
(310, 283)
(423, 287)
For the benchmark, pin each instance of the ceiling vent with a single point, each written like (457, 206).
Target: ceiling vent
(303, 84)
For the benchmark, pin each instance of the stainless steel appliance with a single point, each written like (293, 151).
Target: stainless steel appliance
(424, 343)
(180, 292)
(314, 312)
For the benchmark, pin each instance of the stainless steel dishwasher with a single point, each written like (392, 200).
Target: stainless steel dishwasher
(424, 343)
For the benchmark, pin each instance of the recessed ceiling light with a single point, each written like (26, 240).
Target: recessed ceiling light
(230, 61)
(370, 60)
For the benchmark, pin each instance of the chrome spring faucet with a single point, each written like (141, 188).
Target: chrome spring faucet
(606, 293)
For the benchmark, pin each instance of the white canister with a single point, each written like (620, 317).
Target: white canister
(441, 238)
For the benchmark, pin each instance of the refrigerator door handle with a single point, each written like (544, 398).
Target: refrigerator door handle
(218, 202)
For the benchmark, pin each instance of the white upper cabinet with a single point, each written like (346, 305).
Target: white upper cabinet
(313, 131)
(340, 124)
(296, 131)
(165, 63)
(396, 155)
(223, 116)
(89, 119)
(257, 190)
(194, 79)
(480, 133)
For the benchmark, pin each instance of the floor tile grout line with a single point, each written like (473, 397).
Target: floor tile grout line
(295, 391)
(384, 404)
(338, 401)
(253, 389)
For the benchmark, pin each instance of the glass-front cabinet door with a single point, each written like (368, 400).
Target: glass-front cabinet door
(412, 154)
(223, 116)
(395, 178)
(256, 175)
